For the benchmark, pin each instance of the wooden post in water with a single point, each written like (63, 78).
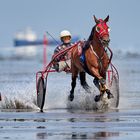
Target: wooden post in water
(45, 42)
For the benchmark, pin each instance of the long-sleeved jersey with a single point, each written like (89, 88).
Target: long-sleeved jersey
(60, 48)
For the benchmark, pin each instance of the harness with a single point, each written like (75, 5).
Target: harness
(98, 58)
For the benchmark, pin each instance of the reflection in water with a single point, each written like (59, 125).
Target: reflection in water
(41, 135)
(99, 121)
(94, 116)
(94, 136)
(78, 136)
(40, 120)
(106, 134)
(72, 120)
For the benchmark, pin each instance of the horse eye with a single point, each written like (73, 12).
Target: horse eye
(97, 29)
(108, 29)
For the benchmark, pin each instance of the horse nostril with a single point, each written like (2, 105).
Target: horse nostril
(106, 41)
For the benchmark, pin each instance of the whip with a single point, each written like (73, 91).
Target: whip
(52, 37)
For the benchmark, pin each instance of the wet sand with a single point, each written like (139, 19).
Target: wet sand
(69, 124)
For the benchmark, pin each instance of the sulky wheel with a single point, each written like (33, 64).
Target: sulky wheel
(41, 92)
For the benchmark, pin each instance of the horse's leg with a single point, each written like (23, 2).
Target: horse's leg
(109, 94)
(83, 81)
(73, 83)
(101, 85)
(99, 82)
(96, 82)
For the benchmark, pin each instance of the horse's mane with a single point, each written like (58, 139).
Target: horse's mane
(90, 37)
(91, 34)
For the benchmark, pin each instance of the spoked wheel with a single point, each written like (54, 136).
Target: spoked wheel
(41, 92)
(115, 92)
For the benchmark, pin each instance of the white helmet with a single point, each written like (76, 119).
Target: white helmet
(65, 33)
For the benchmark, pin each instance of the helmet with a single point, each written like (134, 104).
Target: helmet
(65, 33)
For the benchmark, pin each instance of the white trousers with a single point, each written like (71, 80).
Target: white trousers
(64, 64)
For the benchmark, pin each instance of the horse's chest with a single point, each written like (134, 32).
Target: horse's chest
(99, 62)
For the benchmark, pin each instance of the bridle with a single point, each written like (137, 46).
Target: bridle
(102, 30)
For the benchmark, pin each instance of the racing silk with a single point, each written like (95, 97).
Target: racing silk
(60, 48)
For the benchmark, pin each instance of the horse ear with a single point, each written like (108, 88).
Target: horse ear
(106, 19)
(96, 20)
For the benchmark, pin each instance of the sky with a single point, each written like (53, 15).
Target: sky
(74, 15)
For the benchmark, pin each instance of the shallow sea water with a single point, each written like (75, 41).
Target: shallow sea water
(17, 82)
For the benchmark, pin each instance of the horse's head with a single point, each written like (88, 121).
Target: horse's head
(102, 30)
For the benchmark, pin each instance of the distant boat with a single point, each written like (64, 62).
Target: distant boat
(29, 38)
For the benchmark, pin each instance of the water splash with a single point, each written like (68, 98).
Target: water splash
(83, 100)
(16, 98)
(86, 101)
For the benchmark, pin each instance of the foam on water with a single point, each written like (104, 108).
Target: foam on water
(19, 98)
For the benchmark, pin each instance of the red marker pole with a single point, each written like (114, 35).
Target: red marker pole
(45, 42)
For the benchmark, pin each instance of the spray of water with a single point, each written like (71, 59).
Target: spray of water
(16, 98)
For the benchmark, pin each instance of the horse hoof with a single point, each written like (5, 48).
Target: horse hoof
(110, 95)
(71, 97)
(97, 98)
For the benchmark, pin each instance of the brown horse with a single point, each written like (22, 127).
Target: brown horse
(96, 60)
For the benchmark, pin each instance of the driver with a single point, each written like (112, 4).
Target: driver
(63, 62)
